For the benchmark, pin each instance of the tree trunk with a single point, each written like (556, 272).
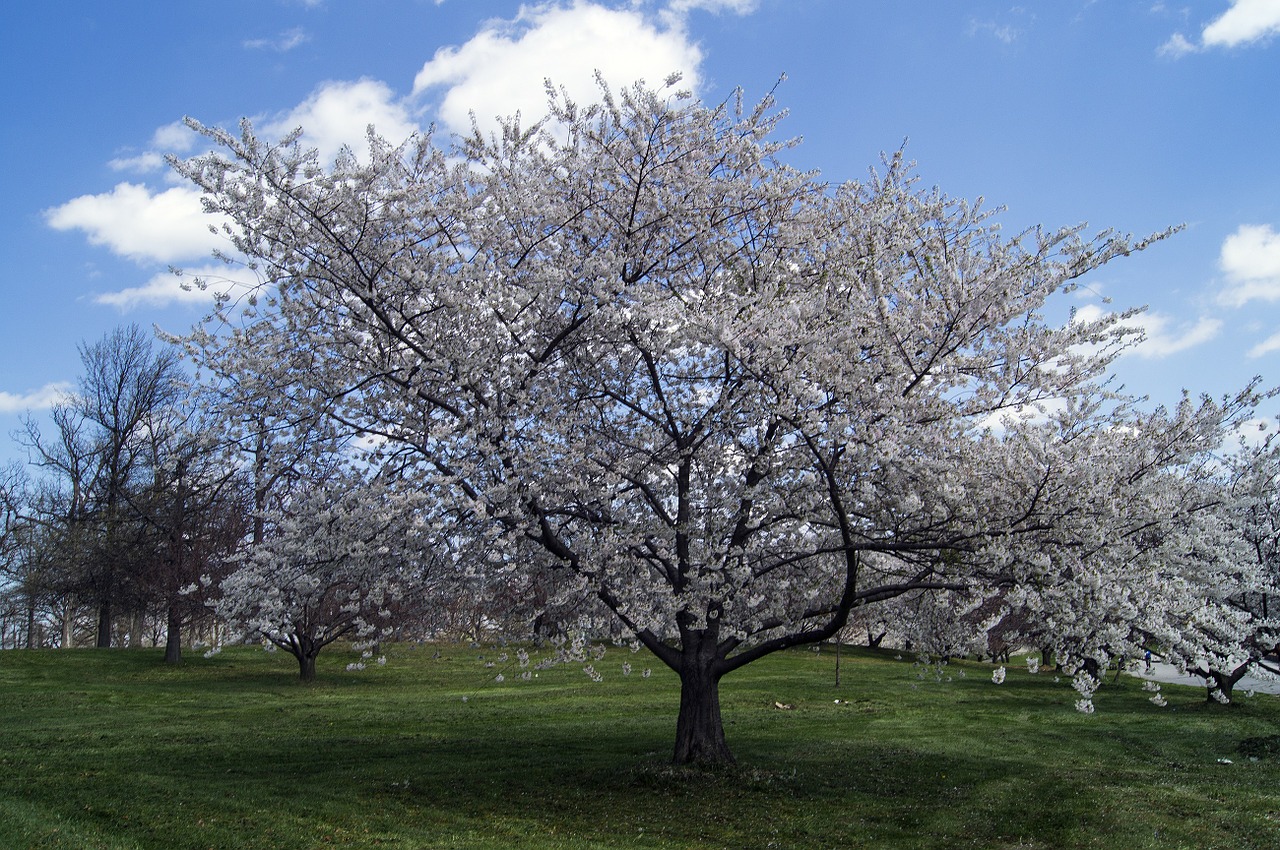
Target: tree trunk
(1092, 667)
(104, 625)
(173, 637)
(67, 616)
(305, 649)
(137, 623)
(306, 667)
(699, 729)
(1225, 682)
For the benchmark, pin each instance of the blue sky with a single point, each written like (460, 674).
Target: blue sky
(1128, 115)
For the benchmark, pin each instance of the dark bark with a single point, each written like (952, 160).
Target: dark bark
(1223, 681)
(104, 625)
(305, 649)
(173, 636)
(31, 625)
(137, 623)
(699, 727)
(306, 667)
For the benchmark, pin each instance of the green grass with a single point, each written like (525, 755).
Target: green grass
(111, 749)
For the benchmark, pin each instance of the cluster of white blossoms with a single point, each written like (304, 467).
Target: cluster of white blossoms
(1085, 685)
(1156, 697)
(927, 667)
(997, 675)
(1033, 665)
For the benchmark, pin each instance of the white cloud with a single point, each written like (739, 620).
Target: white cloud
(1003, 33)
(172, 288)
(737, 7)
(502, 69)
(175, 138)
(143, 163)
(1268, 345)
(498, 72)
(1161, 335)
(677, 11)
(1164, 337)
(1009, 29)
(135, 222)
(337, 114)
(1246, 22)
(1250, 434)
(1250, 258)
(40, 399)
(282, 43)
(1176, 46)
(1000, 421)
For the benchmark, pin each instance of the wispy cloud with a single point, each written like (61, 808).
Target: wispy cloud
(175, 138)
(1006, 31)
(1162, 336)
(677, 11)
(39, 399)
(1176, 46)
(1165, 337)
(282, 43)
(1268, 345)
(1003, 33)
(190, 286)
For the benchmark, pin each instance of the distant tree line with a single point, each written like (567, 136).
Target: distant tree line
(138, 502)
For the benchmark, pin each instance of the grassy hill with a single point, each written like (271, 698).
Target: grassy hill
(111, 749)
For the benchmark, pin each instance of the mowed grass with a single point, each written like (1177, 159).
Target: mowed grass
(111, 749)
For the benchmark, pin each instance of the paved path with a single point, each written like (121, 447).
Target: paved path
(1168, 674)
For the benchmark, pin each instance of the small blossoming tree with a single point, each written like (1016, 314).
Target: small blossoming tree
(1248, 582)
(335, 556)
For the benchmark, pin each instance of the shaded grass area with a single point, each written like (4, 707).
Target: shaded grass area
(111, 749)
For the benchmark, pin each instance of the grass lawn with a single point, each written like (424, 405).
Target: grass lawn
(111, 749)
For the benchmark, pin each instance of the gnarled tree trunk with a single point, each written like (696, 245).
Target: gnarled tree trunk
(699, 727)
(1224, 681)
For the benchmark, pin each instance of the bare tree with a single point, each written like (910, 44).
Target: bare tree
(98, 461)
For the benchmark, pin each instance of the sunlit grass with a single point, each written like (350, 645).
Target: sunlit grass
(115, 750)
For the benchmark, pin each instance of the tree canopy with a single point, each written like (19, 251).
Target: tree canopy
(630, 349)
